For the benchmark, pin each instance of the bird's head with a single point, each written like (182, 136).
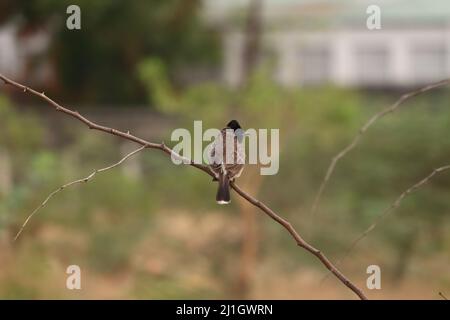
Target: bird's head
(233, 124)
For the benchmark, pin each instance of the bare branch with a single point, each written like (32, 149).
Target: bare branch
(82, 180)
(389, 209)
(396, 204)
(300, 242)
(390, 109)
(442, 295)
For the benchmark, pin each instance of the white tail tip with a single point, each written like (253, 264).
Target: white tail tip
(223, 202)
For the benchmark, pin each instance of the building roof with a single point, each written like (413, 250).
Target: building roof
(329, 12)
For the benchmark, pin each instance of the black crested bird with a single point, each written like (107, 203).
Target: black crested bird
(226, 158)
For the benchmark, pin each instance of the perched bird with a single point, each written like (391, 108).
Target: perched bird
(226, 158)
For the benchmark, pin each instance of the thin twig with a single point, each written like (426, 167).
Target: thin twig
(82, 180)
(390, 109)
(302, 243)
(442, 295)
(389, 209)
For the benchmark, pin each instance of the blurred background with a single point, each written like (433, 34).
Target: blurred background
(152, 230)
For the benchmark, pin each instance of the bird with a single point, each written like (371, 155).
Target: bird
(227, 163)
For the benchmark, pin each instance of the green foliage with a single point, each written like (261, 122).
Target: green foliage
(12, 125)
(314, 125)
(97, 63)
(108, 220)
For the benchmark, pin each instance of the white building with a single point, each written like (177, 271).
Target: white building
(9, 55)
(319, 42)
(17, 49)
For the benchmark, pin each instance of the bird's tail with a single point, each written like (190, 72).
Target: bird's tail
(223, 192)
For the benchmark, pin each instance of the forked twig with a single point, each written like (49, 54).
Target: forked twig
(396, 204)
(361, 133)
(298, 239)
(82, 180)
(389, 209)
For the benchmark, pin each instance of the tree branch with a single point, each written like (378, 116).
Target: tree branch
(390, 109)
(82, 180)
(396, 204)
(299, 240)
(389, 209)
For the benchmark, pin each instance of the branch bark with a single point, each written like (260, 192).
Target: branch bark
(161, 146)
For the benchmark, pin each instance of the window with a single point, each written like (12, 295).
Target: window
(314, 65)
(372, 65)
(429, 62)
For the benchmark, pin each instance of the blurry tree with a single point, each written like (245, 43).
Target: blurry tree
(97, 63)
